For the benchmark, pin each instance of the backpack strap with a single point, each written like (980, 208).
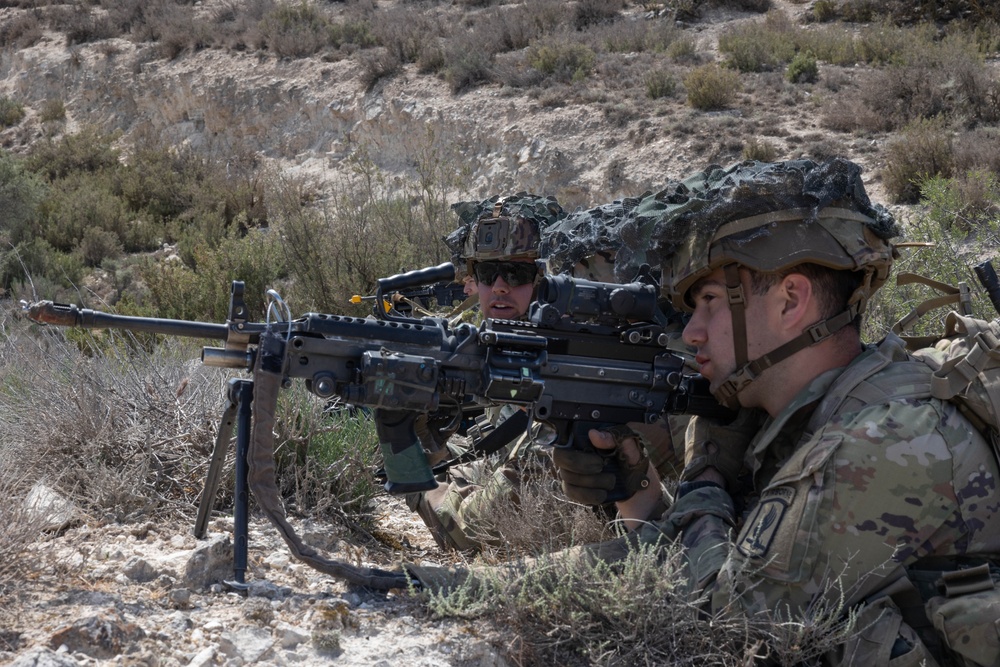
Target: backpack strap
(959, 296)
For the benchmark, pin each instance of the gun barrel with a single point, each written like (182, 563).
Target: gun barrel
(69, 315)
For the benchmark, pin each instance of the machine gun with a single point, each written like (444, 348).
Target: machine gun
(591, 355)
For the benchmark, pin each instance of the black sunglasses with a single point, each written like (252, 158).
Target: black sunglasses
(514, 274)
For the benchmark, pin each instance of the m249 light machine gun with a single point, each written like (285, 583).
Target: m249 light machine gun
(592, 355)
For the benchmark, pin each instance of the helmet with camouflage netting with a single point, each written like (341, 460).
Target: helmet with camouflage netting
(584, 244)
(768, 217)
(505, 228)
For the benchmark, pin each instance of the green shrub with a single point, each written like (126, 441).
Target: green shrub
(11, 112)
(824, 10)
(296, 30)
(324, 457)
(660, 83)
(52, 110)
(802, 69)
(20, 194)
(565, 61)
(759, 46)
(87, 150)
(98, 245)
(711, 87)
(967, 203)
(946, 223)
(921, 151)
(683, 49)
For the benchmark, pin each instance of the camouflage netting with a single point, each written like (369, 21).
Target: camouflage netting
(586, 238)
(698, 206)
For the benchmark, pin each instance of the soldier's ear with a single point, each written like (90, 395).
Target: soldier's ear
(797, 298)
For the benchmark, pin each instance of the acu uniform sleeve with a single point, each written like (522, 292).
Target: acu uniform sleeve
(868, 492)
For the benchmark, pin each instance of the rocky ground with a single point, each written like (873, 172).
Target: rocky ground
(152, 594)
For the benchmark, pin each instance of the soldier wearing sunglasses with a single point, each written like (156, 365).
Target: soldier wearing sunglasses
(497, 245)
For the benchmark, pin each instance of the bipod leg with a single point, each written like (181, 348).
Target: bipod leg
(243, 391)
(222, 440)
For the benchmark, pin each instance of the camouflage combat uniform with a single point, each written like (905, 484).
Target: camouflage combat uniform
(863, 492)
(859, 481)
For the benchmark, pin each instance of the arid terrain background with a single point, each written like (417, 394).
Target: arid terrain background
(428, 101)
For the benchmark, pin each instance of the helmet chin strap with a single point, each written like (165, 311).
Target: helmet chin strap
(748, 371)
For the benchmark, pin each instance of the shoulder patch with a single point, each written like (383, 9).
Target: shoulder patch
(763, 524)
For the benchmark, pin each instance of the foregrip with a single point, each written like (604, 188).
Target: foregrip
(406, 466)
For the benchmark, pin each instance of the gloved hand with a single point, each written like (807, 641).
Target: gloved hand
(712, 444)
(433, 432)
(596, 477)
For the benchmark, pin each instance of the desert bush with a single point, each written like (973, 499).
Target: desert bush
(81, 24)
(369, 227)
(79, 202)
(52, 110)
(977, 149)
(296, 30)
(97, 244)
(760, 150)
(201, 292)
(236, 25)
(111, 439)
(660, 83)
(11, 112)
(759, 46)
(635, 36)
(683, 49)
(21, 31)
(967, 204)
(711, 87)
(824, 10)
(406, 34)
(378, 64)
(588, 13)
(467, 62)
(562, 60)
(922, 150)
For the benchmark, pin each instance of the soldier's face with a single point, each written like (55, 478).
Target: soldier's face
(710, 329)
(468, 285)
(501, 300)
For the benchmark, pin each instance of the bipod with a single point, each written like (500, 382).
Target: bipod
(239, 399)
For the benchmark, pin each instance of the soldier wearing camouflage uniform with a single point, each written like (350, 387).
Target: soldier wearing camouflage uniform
(498, 239)
(857, 492)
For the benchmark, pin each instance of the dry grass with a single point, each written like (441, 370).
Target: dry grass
(122, 432)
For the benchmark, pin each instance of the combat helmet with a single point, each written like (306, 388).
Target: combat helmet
(504, 228)
(770, 217)
(584, 243)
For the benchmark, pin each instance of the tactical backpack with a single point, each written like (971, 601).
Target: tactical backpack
(964, 605)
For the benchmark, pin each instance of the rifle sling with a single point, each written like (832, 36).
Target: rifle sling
(261, 480)
(493, 442)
